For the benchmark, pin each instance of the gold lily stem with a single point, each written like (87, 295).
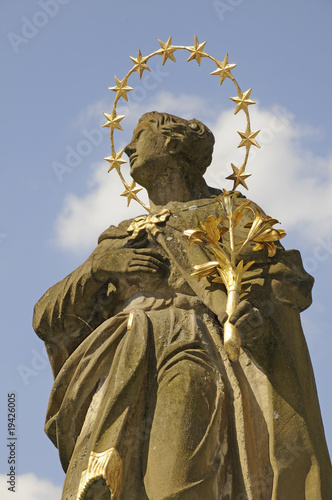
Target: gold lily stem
(232, 339)
(232, 244)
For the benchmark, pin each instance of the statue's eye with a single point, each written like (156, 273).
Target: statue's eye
(138, 135)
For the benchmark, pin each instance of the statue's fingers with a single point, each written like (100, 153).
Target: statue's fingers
(149, 252)
(147, 264)
(160, 263)
(142, 264)
(142, 269)
(249, 323)
(222, 317)
(157, 261)
(242, 309)
(141, 243)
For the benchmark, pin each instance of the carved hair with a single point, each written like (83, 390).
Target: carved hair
(197, 140)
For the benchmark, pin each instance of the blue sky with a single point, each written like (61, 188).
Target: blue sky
(58, 58)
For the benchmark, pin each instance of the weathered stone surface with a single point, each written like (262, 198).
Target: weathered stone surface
(141, 376)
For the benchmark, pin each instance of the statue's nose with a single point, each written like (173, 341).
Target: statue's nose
(129, 149)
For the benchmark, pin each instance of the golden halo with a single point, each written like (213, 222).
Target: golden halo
(242, 101)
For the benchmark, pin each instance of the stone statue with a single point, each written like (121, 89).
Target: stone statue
(146, 404)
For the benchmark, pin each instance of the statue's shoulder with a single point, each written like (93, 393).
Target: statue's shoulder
(240, 199)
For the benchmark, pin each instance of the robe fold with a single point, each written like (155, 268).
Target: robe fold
(140, 368)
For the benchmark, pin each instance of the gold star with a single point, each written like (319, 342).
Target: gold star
(113, 121)
(140, 63)
(130, 192)
(197, 51)
(121, 88)
(248, 139)
(224, 69)
(115, 161)
(167, 50)
(238, 176)
(242, 101)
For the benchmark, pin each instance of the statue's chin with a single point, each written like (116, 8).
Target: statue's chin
(140, 175)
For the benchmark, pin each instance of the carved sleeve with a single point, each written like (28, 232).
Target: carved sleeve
(76, 305)
(70, 310)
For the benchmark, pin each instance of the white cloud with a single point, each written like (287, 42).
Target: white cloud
(289, 181)
(82, 220)
(181, 105)
(30, 487)
(93, 112)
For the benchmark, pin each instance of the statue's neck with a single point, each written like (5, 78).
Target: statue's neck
(165, 194)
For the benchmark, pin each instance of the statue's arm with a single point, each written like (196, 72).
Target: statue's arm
(68, 308)
(79, 303)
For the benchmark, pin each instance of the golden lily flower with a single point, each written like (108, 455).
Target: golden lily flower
(263, 234)
(207, 269)
(211, 232)
(269, 235)
(260, 224)
(195, 236)
(266, 240)
(239, 212)
(271, 248)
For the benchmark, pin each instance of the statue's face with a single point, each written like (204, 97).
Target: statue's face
(147, 153)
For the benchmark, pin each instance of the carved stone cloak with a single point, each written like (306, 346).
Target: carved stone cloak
(113, 341)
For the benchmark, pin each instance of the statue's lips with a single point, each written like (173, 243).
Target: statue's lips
(132, 159)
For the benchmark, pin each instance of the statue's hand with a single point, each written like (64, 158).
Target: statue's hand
(146, 260)
(248, 320)
(127, 260)
(143, 259)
